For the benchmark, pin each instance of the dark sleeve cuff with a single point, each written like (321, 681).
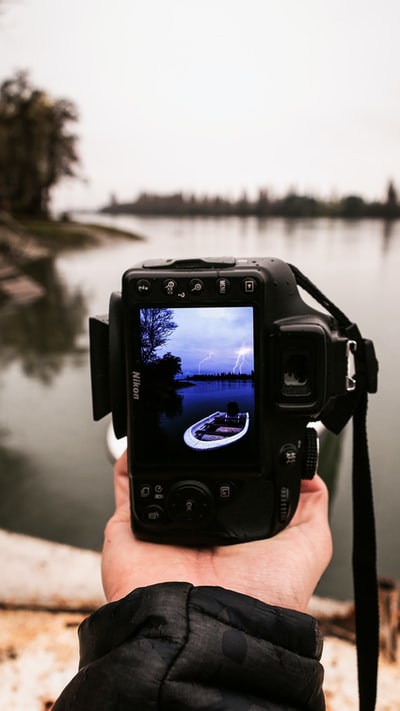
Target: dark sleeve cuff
(168, 644)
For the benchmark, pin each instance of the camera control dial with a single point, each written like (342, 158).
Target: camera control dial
(312, 453)
(190, 501)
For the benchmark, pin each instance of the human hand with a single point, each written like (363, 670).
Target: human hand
(283, 570)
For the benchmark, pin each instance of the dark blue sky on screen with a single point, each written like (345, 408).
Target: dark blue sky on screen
(213, 340)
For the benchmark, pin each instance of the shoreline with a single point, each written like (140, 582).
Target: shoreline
(28, 248)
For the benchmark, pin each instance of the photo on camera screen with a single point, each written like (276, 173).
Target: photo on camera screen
(197, 389)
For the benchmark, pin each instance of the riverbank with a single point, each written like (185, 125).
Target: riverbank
(46, 591)
(61, 235)
(48, 588)
(28, 245)
(31, 238)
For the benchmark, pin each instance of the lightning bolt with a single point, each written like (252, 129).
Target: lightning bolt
(241, 359)
(210, 355)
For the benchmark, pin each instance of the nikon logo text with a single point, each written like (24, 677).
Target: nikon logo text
(136, 385)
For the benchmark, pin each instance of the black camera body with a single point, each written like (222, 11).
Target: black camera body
(214, 369)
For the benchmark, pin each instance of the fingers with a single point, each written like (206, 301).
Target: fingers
(121, 482)
(313, 499)
(312, 511)
(313, 485)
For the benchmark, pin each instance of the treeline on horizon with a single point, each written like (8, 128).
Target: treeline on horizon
(293, 204)
(218, 376)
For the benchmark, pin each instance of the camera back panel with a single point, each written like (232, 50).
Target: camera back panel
(215, 369)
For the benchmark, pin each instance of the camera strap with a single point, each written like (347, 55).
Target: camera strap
(355, 405)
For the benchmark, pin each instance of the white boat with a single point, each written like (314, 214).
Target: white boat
(218, 429)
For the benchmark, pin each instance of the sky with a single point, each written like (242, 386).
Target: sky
(213, 339)
(217, 96)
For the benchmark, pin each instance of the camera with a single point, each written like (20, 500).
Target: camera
(215, 370)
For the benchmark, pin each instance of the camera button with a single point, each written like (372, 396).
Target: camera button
(196, 286)
(159, 492)
(170, 287)
(143, 287)
(190, 501)
(223, 286)
(144, 491)
(288, 455)
(153, 514)
(249, 285)
(226, 491)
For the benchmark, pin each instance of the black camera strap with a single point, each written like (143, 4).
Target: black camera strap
(355, 405)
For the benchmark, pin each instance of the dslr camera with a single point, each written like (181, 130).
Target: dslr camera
(215, 370)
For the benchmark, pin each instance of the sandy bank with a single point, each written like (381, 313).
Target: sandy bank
(47, 589)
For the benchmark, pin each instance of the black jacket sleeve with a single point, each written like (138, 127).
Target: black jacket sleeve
(175, 646)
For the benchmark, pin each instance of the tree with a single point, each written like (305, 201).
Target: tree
(36, 148)
(155, 327)
(164, 370)
(391, 207)
(353, 206)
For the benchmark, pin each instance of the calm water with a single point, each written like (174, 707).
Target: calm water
(55, 476)
(196, 402)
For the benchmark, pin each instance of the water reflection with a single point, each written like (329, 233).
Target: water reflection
(42, 333)
(51, 459)
(389, 230)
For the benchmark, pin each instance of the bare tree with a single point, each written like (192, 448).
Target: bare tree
(156, 325)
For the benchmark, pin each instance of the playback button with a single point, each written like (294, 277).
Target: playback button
(249, 285)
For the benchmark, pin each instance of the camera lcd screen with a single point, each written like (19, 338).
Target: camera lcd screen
(197, 387)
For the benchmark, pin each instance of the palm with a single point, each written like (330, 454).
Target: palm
(283, 570)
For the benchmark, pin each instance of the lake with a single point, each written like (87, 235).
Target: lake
(56, 477)
(187, 406)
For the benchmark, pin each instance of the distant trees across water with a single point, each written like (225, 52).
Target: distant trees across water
(291, 205)
(218, 376)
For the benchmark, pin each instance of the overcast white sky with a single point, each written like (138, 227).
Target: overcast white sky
(218, 95)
